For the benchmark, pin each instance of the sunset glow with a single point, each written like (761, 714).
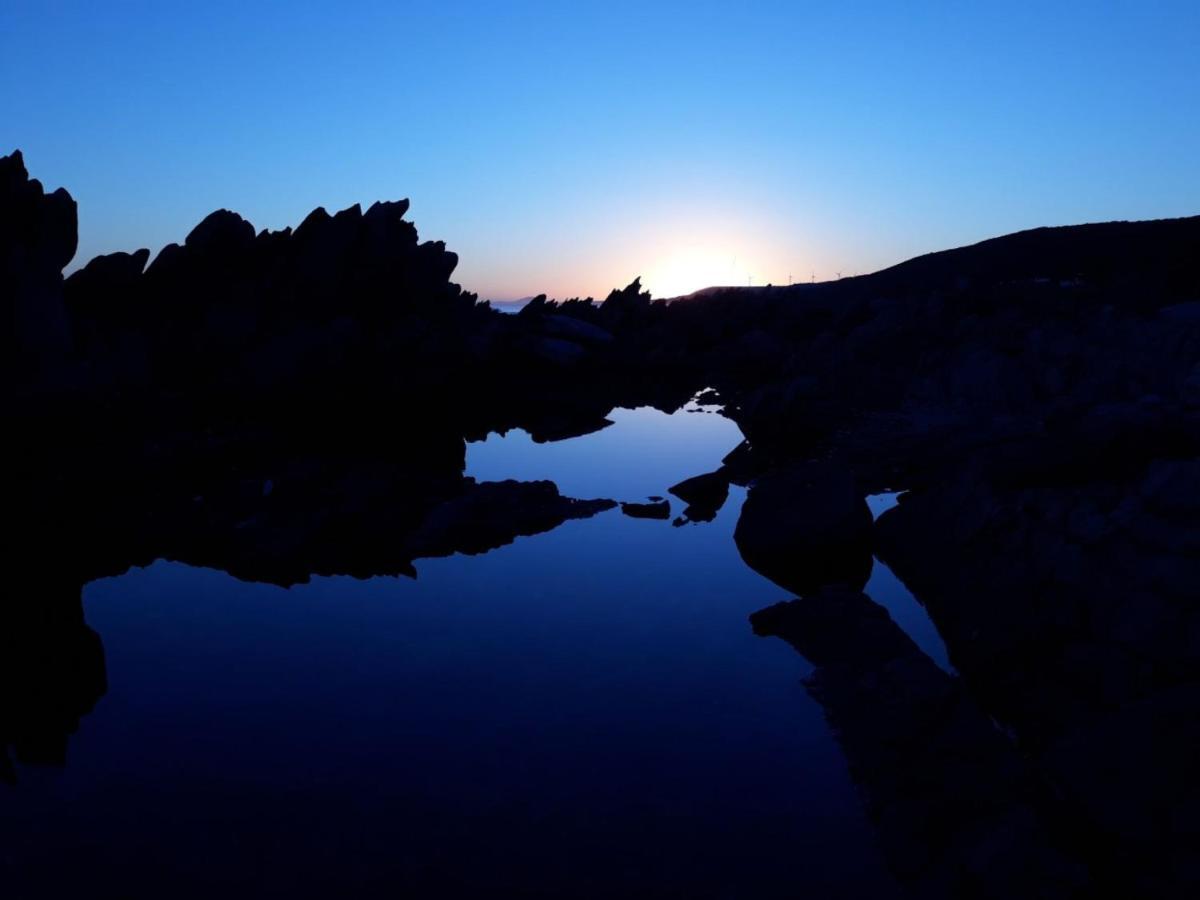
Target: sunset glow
(693, 267)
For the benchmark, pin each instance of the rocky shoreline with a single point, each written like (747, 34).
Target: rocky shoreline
(282, 404)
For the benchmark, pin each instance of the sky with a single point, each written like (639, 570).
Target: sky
(565, 148)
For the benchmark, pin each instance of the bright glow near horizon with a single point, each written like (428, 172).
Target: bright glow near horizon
(690, 268)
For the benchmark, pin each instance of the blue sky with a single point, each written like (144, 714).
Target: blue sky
(566, 147)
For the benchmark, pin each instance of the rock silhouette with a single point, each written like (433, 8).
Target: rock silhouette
(283, 404)
(659, 509)
(805, 527)
(703, 494)
(38, 237)
(1086, 574)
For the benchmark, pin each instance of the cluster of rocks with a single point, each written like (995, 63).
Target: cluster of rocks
(1069, 605)
(273, 404)
(1059, 561)
(1061, 574)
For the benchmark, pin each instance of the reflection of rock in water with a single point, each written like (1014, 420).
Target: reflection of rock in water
(490, 514)
(51, 674)
(704, 496)
(274, 405)
(1060, 570)
(955, 805)
(314, 516)
(656, 509)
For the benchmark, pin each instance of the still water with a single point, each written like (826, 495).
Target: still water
(584, 712)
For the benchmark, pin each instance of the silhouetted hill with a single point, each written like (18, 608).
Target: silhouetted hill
(1152, 255)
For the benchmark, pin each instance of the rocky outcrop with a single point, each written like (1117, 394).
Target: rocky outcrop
(1081, 567)
(316, 309)
(38, 237)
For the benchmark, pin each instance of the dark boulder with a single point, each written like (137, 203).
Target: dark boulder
(110, 271)
(807, 526)
(220, 232)
(577, 330)
(106, 291)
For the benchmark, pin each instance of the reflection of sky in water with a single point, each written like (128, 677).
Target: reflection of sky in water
(889, 592)
(642, 453)
(583, 707)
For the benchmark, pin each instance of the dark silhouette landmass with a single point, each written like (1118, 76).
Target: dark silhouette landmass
(656, 509)
(283, 404)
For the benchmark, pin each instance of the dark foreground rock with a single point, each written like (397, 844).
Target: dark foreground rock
(1086, 575)
(807, 526)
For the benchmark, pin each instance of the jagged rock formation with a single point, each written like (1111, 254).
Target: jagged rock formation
(38, 237)
(231, 311)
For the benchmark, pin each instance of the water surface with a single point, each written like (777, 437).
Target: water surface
(585, 712)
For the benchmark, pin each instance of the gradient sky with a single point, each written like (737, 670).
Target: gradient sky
(567, 147)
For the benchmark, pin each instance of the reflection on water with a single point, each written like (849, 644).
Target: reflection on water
(641, 454)
(889, 592)
(584, 712)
